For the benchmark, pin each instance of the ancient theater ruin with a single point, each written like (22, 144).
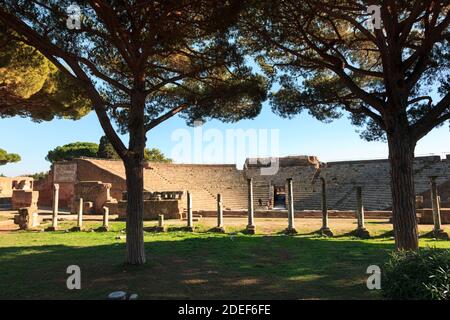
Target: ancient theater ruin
(101, 184)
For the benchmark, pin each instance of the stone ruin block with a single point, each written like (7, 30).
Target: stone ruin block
(22, 183)
(95, 194)
(425, 216)
(5, 187)
(157, 195)
(168, 203)
(24, 199)
(27, 218)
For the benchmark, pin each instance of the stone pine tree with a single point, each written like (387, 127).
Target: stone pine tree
(6, 157)
(330, 58)
(71, 151)
(31, 86)
(155, 155)
(140, 63)
(106, 151)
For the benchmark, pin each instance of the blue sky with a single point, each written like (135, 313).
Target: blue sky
(302, 135)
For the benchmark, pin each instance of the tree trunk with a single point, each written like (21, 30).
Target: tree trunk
(134, 167)
(401, 156)
(135, 252)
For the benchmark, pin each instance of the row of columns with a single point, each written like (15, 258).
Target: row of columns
(79, 226)
(361, 230)
(325, 230)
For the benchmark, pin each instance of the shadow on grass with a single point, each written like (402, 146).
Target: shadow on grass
(387, 234)
(219, 267)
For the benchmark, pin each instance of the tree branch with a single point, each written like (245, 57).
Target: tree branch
(166, 116)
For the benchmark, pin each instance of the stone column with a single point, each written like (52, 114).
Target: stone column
(219, 227)
(190, 223)
(105, 218)
(79, 226)
(54, 226)
(325, 230)
(435, 205)
(290, 206)
(438, 232)
(361, 231)
(108, 190)
(160, 227)
(250, 226)
(105, 226)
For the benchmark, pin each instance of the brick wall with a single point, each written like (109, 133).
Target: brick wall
(24, 198)
(205, 181)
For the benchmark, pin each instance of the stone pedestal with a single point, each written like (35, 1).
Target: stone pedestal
(290, 206)
(440, 234)
(54, 225)
(362, 233)
(326, 232)
(250, 229)
(27, 218)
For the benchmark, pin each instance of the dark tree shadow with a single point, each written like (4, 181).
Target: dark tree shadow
(219, 267)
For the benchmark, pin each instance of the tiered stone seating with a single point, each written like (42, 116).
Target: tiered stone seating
(374, 177)
(114, 166)
(206, 181)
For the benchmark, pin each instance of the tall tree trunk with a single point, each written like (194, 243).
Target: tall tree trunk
(401, 157)
(134, 167)
(135, 252)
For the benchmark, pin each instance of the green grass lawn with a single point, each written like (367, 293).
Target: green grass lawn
(199, 265)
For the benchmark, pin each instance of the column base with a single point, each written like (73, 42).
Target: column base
(250, 229)
(218, 230)
(362, 233)
(189, 229)
(326, 232)
(440, 234)
(77, 229)
(160, 229)
(102, 229)
(51, 229)
(155, 229)
(290, 231)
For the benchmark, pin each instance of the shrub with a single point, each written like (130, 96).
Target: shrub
(417, 275)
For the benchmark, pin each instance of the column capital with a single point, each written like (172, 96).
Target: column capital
(55, 186)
